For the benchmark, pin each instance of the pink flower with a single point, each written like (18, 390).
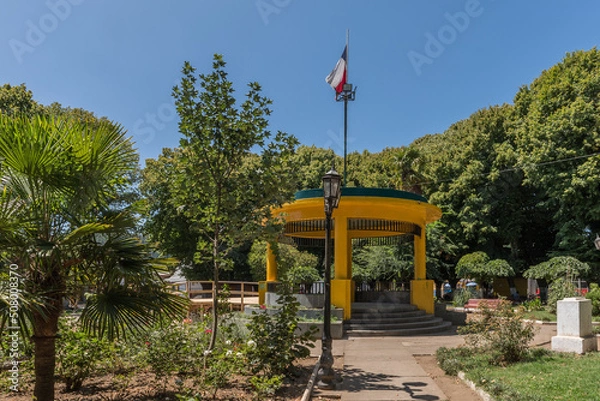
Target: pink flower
(263, 306)
(187, 321)
(207, 331)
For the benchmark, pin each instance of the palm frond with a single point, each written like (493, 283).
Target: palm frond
(17, 309)
(122, 312)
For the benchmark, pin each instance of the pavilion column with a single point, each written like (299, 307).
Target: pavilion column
(263, 286)
(420, 256)
(271, 264)
(421, 289)
(342, 250)
(341, 285)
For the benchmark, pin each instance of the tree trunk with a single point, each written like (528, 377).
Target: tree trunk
(215, 307)
(44, 339)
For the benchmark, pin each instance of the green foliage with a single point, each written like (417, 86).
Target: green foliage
(557, 133)
(559, 289)
(265, 386)
(385, 263)
(274, 341)
(231, 171)
(310, 163)
(460, 359)
(79, 354)
(182, 349)
(501, 332)
(441, 252)
(558, 267)
(545, 375)
(461, 296)
(64, 223)
(293, 266)
(479, 267)
(18, 101)
(532, 305)
(594, 295)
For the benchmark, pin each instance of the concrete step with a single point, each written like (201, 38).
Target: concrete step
(386, 315)
(391, 322)
(359, 307)
(416, 331)
(381, 319)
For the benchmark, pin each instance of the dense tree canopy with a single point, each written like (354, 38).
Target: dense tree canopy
(519, 182)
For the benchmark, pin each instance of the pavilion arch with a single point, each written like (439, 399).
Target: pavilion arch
(362, 213)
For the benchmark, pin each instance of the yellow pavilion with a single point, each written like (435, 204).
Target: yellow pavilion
(362, 213)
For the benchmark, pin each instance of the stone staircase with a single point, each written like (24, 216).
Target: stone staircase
(372, 319)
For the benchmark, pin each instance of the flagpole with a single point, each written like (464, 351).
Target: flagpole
(346, 108)
(348, 94)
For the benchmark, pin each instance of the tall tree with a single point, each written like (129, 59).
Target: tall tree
(18, 100)
(57, 179)
(558, 136)
(233, 170)
(311, 163)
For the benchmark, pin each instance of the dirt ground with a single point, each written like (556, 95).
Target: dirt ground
(454, 388)
(142, 386)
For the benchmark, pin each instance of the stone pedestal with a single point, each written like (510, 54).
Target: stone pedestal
(574, 326)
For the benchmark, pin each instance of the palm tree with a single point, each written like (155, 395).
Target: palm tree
(60, 232)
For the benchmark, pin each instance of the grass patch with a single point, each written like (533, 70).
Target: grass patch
(544, 375)
(543, 315)
(549, 376)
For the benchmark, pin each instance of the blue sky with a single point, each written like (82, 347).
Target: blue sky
(419, 65)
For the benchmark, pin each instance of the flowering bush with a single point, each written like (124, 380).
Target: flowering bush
(274, 342)
(78, 354)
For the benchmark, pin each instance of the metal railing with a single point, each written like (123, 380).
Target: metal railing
(381, 286)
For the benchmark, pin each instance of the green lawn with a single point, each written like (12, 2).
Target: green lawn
(547, 376)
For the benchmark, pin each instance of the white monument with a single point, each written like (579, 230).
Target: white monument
(574, 326)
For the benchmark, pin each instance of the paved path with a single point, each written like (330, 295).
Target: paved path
(384, 368)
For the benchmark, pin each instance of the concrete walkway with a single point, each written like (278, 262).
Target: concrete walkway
(384, 368)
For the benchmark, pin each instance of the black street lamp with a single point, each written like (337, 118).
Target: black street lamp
(332, 191)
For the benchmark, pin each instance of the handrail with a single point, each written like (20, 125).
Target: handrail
(201, 287)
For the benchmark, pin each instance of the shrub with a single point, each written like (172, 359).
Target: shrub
(264, 387)
(594, 295)
(274, 341)
(461, 296)
(501, 332)
(560, 289)
(532, 305)
(78, 354)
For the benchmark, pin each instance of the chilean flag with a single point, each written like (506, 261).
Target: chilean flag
(337, 77)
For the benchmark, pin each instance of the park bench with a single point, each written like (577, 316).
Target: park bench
(474, 304)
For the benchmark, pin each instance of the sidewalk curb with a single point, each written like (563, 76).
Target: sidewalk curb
(311, 382)
(484, 396)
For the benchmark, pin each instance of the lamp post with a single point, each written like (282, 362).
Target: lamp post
(332, 191)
